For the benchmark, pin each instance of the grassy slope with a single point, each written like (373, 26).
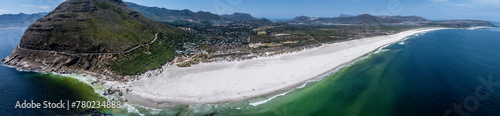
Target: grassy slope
(81, 27)
(149, 57)
(324, 33)
(146, 57)
(162, 14)
(123, 31)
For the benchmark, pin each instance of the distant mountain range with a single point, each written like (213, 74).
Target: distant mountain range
(168, 15)
(345, 15)
(360, 19)
(19, 20)
(366, 19)
(163, 14)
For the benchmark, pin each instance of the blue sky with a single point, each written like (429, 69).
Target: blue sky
(279, 9)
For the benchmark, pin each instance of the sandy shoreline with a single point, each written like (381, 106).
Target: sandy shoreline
(232, 81)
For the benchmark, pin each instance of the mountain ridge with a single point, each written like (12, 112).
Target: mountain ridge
(367, 19)
(359, 19)
(91, 26)
(163, 14)
(239, 16)
(103, 38)
(170, 15)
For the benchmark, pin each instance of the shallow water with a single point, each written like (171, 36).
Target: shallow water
(424, 75)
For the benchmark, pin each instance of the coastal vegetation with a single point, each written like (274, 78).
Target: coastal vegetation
(149, 57)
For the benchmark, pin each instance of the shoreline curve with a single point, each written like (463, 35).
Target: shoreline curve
(218, 82)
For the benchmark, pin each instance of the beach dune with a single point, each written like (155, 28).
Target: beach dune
(231, 81)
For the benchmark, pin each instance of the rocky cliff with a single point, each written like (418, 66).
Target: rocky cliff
(86, 36)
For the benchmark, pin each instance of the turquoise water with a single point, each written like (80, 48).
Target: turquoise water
(427, 74)
(424, 75)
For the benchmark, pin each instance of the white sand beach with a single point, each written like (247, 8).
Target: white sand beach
(231, 81)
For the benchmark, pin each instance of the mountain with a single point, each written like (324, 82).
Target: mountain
(461, 23)
(91, 26)
(175, 16)
(345, 15)
(19, 20)
(366, 19)
(167, 15)
(360, 19)
(407, 18)
(103, 37)
(239, 16)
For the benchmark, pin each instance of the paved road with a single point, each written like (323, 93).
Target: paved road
(82, 54)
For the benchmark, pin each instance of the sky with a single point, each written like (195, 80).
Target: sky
(287, 9)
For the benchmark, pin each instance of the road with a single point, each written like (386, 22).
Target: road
(82, 54)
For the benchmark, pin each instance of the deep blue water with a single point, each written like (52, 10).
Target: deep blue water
(445, 68)
(451, 71)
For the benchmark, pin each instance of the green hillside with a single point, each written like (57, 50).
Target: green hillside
(90, 26)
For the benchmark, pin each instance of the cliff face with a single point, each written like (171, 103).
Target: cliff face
(30, 60)
(85, 36)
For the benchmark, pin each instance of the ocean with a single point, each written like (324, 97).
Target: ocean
(427, 74)
(444, 72)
